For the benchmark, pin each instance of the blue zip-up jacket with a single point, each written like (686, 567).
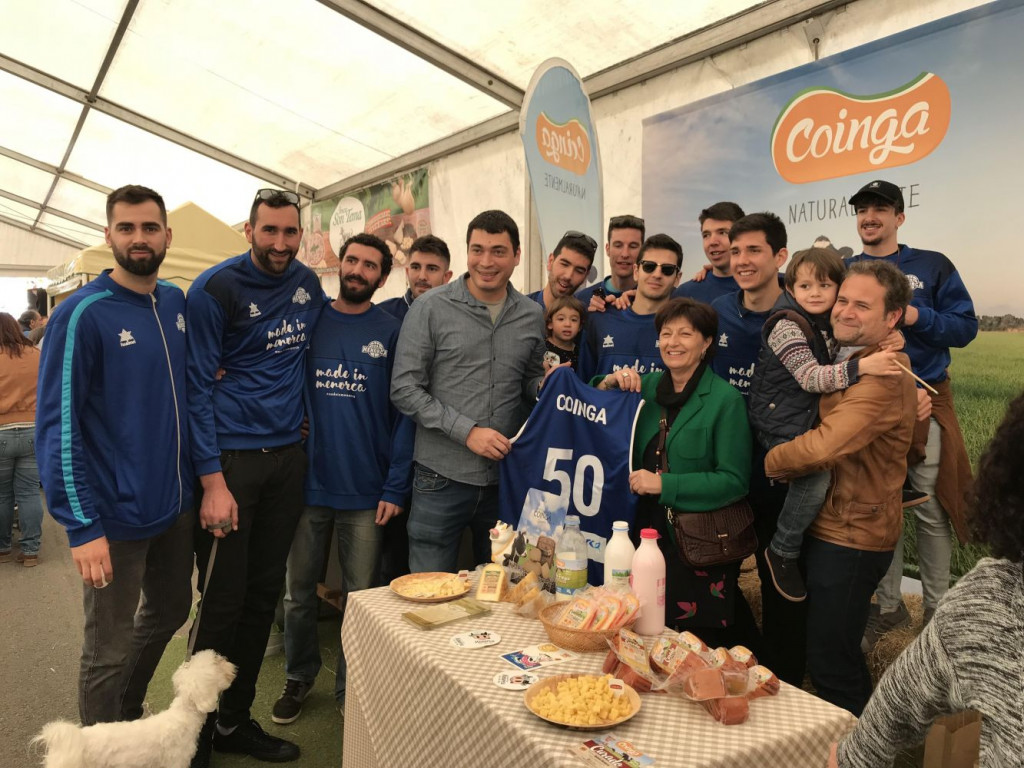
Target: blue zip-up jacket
(616, 339)
(112, 436)
(256, 328)
(945, 310)
(359, 445)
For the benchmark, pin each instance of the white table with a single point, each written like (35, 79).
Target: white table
(414, 700)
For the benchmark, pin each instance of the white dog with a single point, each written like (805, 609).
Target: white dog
(165, 740)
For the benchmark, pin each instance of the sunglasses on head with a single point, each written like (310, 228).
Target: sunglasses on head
(277, 194)
(583, 236)
(666, 269)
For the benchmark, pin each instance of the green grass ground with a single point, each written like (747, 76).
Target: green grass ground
(986, 376)
(318, 732)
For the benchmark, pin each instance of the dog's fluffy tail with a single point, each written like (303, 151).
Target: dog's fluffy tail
(62, 742)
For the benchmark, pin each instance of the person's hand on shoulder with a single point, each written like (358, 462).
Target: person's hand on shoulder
(881, 363)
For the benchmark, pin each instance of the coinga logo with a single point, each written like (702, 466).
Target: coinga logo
(824, 134)
(566, 145)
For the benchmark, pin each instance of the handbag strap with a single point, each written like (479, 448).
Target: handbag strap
(662, 456)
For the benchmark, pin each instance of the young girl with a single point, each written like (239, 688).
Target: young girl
(564, 319)
(795, 366)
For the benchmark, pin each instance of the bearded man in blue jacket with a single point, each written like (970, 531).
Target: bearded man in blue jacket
(112, 442)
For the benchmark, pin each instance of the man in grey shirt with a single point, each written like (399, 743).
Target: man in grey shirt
(469, 353)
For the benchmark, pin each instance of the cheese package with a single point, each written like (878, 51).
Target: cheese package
(743, 655)
(491, 586)
(665, 654)
(579, 614)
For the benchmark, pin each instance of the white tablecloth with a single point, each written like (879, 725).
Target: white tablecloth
(414, 700)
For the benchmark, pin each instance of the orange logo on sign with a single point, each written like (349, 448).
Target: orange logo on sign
(825, 134)
(566, 145)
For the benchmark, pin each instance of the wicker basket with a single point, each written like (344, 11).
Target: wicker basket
(581, 640)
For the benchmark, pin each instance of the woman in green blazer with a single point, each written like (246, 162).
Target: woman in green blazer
(708, 454)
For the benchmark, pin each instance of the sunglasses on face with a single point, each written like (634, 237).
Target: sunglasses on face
(666, 269)
(583, 236)
(277, 194)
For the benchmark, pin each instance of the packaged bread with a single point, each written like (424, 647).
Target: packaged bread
(743, 655)
(520, 590)
(728, 711)
(761, 682)
(692, 642)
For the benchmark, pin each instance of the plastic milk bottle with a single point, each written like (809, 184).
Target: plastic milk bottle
(618, 558)
(570, 560)
(648, 583)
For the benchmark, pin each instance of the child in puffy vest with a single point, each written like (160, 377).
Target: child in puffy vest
(799, 360)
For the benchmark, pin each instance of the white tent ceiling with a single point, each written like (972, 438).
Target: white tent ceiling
(208, 101)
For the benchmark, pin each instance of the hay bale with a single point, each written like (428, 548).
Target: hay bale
(891, 644)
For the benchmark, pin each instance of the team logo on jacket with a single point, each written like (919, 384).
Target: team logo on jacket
(300, 297)
(915, 282)
(609, 342)
(180, 324)
(375, 349)
(254, 311)
(723, 340)
(126, 338)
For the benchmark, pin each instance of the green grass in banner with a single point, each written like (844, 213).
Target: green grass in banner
(986, 375)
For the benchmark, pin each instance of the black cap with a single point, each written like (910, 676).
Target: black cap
(884, 189)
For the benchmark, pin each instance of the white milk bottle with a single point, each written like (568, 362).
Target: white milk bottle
(570, 560)
(648, 583)
(618, 558)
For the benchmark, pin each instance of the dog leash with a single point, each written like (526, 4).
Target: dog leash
(222, 526)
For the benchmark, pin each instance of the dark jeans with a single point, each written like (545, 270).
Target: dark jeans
(840, 582)
(129, 622)
(441, 510)
(783, 623)
(248, 572)
(804, 500)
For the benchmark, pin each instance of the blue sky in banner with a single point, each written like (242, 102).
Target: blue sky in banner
(962, 199)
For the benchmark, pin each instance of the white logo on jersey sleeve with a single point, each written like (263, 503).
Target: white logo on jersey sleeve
(126, 338)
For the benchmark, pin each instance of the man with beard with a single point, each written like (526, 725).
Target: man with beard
(251, 318)
(112, 442)
(941, 315)
(360, 459)
(428, 267)
(568, 266)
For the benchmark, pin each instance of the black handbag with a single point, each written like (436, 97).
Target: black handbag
(720, 536)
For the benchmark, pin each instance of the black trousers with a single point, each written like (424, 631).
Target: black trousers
(248, 572)
(783, 623)
(840, 582)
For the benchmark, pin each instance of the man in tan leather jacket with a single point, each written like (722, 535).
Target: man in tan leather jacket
(863, 438)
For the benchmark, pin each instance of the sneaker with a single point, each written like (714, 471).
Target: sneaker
(911, 496)
(879, 623)
(5, 556)
(786, 576)
(288, 708)
(250, 739)
(29, 561)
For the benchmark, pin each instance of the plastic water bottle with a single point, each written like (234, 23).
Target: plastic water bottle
(648, 583)
(570, 560)
(618, 558)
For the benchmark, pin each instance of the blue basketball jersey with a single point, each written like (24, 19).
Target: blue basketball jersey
(572, 456)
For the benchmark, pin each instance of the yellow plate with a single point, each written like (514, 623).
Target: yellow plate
(552, 682)
(424, 587)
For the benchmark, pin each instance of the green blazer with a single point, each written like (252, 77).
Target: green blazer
(708, 446)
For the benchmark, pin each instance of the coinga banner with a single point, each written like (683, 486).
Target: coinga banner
(397, 211)
(562, 158)
(936, 110)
